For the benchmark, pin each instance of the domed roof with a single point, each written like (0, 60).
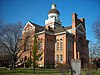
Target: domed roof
(54, 11)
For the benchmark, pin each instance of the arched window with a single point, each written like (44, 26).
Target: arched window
(25, 58)
(22, 59)
(39, 45)
(28, 59)
(27, 42)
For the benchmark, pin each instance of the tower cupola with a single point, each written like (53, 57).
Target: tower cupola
(53, 17)
(53, 13)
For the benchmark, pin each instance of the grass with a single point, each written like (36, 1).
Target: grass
(27, 71)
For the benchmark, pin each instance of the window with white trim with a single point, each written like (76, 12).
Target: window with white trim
(61, 58)
(57, 45)
(61, 44)
(57, 58)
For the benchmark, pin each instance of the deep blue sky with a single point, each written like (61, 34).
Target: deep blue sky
(36, 11)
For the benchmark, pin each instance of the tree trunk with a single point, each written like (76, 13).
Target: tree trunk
(13, 66)
(34, 65)
(34, 69)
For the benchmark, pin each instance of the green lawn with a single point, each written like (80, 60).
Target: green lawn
(27, 71)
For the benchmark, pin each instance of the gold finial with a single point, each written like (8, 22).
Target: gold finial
(53, 6)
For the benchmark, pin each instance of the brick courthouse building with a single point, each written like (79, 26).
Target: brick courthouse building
(58, 43)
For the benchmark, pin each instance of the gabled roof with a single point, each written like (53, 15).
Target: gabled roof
(38, 27)
(81, 27)
(59, 29)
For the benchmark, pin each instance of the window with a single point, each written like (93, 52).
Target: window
(57, 57)
(25, 58)
(40, 59)
(57, 45)
(22, 60)
(61, 58)
(60, 39)
(27, 43)
(28, 59)
(61, 44)
(39, 45)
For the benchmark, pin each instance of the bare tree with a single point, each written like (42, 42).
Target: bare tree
(9, 37)
(96, 28)
(94, 51)
(95, 48)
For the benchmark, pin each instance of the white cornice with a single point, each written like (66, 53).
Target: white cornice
(29, 24)
(44, 32)
(60, 33)
(70, 30)
(40, 32)
(81, 26)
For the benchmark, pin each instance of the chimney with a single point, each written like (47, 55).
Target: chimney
(74, 19)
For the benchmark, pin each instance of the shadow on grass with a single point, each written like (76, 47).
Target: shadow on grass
(46, 71)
